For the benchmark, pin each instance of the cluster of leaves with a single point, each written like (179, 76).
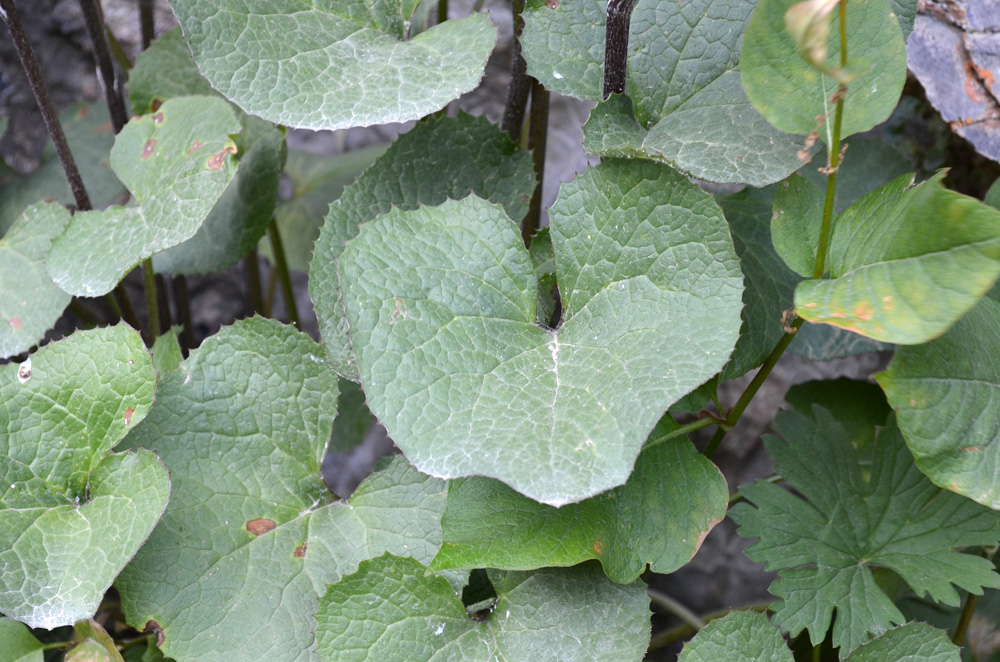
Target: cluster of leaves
(538, 453)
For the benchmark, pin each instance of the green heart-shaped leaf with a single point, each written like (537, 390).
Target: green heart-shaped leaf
(71, 515)
(442, 310)
(337, 64)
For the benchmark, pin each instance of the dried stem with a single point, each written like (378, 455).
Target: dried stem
(281, 264)
(105, 65)
(147, 24)
(184, 313)
(520, 82)
(256, 295)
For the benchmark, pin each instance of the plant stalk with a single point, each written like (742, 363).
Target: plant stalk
(681, 431)
(971, 600)
(442, 11)
(81, 310)
(536, 142)
(110, 81)
(520, 82)
(819, 268)
(277, 248)
(8, 12)
(677, 633)
(164, 300)
(675, 608)
(147, 22)
(152, 302)
(184, 313)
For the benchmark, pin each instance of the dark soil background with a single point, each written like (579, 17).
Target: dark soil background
(720, 576)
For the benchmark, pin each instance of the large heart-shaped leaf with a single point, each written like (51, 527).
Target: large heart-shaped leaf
(441, 305)
(659, 517)
(690, 110)
(71, 514)
(176, 162)
(30, 303)
(252, 536)
(336, 64)
(791, 93)
(465, 154)
(906, 263)
(390, 610)
(947, 397)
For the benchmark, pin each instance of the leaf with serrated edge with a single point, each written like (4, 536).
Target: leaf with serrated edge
(913, 641)
(906, 263)
(30, 303)
(71, 514)
(791, 93)
(389, 610)
(683, 79)
(452, 359)
(335, 66)
(466, 154)
(825, 545)
(741, 636)
(659, 517)
(252, 536)
(176, 162)
(946, 394)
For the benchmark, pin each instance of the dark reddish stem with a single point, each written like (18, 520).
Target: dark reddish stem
(105, 65)
(537, 140)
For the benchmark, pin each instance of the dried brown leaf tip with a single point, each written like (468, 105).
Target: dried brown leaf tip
(150, 146)
(260, 526)
(154, 627)
(215, 163)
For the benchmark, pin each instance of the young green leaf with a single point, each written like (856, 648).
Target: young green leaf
(826, 544)
(335, 65)
(795, 223)
(791, 93)
(30, 303)
(945, 395)
(906, 263)
(452, 359)
(90, 137)
(465, 154)
(71, 513)
(659, 517)
(177, 162)
(390, 610)
(683, 80)
(252, 536)
(741, 636)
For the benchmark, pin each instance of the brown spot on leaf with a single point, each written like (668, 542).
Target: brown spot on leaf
(155, 106)
(260, 526)
(15, 323)
(215, 163)
(598, 547)
(128, 415)
(552, 4)
(863, 312)
(147, 150)
(158, 118)
(972, 449)
(83, 112)
(107, 127)
(196, 145)
(300, 551)
(154, 627)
